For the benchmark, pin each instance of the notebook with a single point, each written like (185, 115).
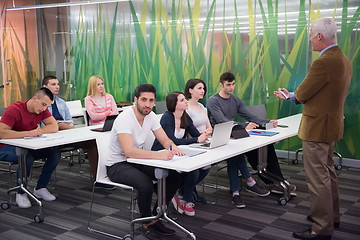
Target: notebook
(109, 121)
(220, 137)
(262, 133)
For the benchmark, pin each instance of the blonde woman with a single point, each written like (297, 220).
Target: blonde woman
(98, 103)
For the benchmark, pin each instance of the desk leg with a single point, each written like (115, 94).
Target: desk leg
(262, 157)
(161, 175)
(21, 153)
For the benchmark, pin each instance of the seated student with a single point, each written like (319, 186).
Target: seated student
(61, 113)
(224, 106)
(195, 90)
(128, 136)
(22, 119)
(177, 124)
(98, 103)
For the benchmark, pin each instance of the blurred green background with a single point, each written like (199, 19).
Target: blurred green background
(264, 43)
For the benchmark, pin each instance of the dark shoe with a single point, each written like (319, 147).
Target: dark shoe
(307, 235)
(279, 189)
(105, 186)
(150, 233)
(258, 190)
(238, 202)
(197, 198)
(336, 224)
(162, 229)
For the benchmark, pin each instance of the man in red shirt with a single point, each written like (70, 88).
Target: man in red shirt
(22, 119)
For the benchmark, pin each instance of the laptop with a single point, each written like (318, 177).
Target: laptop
(220, 136)
(109, 121)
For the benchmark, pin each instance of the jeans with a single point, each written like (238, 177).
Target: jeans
(272, 162)
(233, 165)
(189, 182)
(141, 177)
(52, 155)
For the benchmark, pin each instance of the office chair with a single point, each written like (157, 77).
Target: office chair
(160, 107)
(103, 144)
(70, 152)
(8, 168)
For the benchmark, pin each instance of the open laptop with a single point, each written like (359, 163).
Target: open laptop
(109, 121)
(220, 136)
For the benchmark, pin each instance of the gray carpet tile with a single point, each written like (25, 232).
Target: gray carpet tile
(262, 218)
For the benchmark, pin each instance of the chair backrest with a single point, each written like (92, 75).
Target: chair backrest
(103, 146)
(86, 117)
(258, 110)
(75, 108)
(160, 107)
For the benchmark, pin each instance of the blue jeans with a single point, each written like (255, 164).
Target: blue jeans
(189, 182)
(52, 155)
(233, 165)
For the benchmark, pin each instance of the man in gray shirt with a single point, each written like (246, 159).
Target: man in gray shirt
(223, 107)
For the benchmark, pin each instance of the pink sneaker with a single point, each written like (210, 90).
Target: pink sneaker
(178, 203)
(189, 209)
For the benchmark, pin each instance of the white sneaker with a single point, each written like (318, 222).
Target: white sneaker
(22, 200)
(43, 193)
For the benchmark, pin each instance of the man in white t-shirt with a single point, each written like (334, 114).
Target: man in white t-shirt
(128, 136)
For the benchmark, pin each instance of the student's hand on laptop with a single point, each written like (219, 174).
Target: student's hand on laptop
(251, 126)
(203, 137)
(107, 113)
(275, 122)
(208, 131)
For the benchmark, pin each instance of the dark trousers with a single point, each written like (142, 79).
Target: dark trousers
(141, 177)
(52, 155)
(272, 162)
(189, 180)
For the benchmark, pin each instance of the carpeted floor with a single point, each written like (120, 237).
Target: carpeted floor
(263, 217)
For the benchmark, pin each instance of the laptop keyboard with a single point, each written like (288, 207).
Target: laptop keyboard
(205, 145)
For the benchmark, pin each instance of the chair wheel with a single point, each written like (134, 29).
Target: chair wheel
(5, 206)
(283, 201)
(338, 167)
(38, 218)
(127, 237)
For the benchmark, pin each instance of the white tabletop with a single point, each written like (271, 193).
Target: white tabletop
(55, 139)
(233, 148)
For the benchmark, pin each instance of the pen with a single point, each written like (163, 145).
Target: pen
(256, 132)
(284, 126)
(170, 148)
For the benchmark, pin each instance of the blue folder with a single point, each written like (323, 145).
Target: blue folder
(263, 133)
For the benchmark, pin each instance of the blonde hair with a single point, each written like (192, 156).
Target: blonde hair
(92, 85)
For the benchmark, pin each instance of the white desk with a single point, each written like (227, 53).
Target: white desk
(54, 139)
(233, 148)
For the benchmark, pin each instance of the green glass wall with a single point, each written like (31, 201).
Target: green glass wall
(264, 43)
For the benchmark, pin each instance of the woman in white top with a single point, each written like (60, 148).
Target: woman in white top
(195, 90)
(98, 103)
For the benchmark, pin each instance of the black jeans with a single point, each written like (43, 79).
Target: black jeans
(141, 178)
(272, 162)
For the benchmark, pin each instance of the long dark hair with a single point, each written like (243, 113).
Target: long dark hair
(171, 101)
(191, 83)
